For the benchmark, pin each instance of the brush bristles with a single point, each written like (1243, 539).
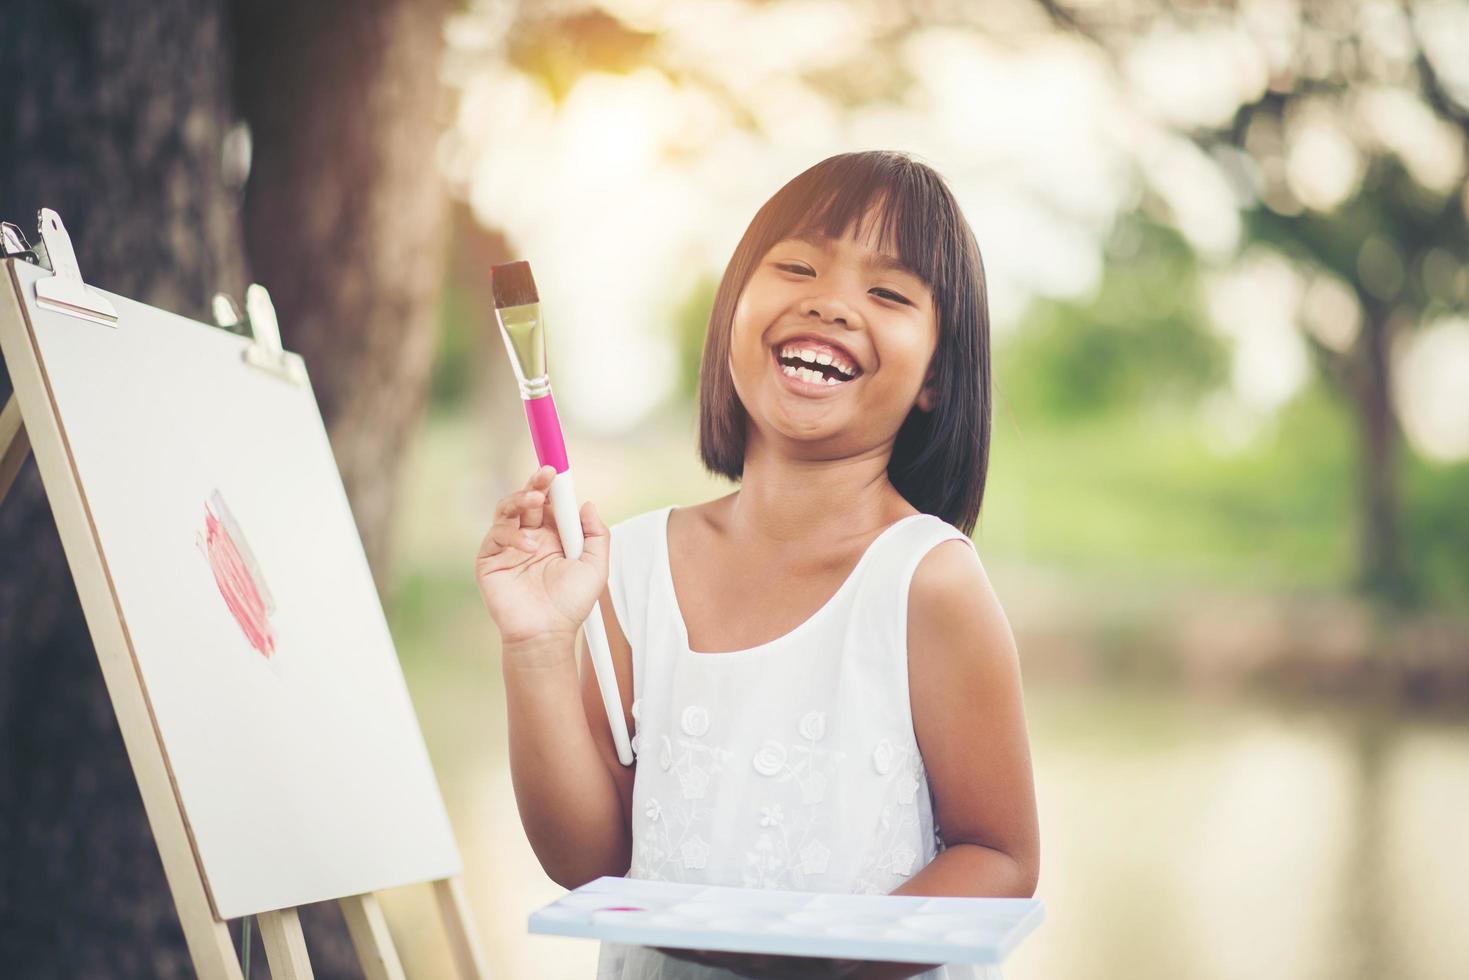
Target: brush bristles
(512, 285)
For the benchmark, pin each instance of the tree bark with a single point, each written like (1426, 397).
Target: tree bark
(113, 113)
(1381, 571)
(346, 218)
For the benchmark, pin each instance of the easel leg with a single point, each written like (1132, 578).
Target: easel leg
(15, 446)
(454, 910)
(369, 929)
(285, 945)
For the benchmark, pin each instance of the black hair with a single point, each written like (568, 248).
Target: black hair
(939, 457)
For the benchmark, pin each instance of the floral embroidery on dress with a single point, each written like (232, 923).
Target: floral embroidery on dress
(668, 845)
(770, 759)
(813, 725)
(814, 857)
(893, 855)
(882, 757)
(694, 852)
(695, 720)
(789, 846)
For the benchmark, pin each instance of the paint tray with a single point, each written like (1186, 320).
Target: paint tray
(904, 928)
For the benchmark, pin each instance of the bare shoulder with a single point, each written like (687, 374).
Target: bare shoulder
(953, 610)
(969, 716)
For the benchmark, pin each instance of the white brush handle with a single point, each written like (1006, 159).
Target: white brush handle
(568, 527)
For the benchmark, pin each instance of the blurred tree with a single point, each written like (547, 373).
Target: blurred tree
(691, 327)
(121, 116)
(1140, 340)
(1352, 159)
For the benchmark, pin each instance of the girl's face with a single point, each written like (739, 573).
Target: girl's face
(847, 299)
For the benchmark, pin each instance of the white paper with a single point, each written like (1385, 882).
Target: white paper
(298, 758)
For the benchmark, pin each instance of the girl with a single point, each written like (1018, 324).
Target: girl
(823, 689)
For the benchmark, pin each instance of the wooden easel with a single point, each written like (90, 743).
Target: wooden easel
(30, 421)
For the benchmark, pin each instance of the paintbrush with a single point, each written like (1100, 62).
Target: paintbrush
(518, 311)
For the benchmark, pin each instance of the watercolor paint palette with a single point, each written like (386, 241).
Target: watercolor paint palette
(910, 929)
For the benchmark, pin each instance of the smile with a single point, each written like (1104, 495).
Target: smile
(807, 382)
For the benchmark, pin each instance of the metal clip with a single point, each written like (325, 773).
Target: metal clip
(64, 291)
(266, 352)
(227, 315)
(13, 245)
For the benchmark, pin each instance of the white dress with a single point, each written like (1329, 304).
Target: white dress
(789, 765)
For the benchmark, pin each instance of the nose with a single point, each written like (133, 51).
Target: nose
(830, 309)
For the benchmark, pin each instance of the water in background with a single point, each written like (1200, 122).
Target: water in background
(1181, 838)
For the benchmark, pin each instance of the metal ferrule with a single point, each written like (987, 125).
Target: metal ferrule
(525, 339)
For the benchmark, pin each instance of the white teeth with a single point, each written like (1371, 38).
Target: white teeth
(811, 357)
(808, 375)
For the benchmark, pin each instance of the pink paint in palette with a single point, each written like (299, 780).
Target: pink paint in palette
(237, 575)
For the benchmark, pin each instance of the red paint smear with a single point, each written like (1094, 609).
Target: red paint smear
(620, 908)
(236, 584)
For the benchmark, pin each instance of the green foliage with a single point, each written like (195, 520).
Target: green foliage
(1141, 339)
(1144, 493)
(1437, 530)
(1378, 240)
(691, 326)
(453, 375)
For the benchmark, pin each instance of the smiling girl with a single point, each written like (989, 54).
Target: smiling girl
(823, 687)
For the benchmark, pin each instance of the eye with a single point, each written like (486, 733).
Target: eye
(801, 270)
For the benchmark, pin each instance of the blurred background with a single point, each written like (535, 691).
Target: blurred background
(1227, 248)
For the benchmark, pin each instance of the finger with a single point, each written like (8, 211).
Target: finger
(541, 478)
(596, 538)
(506, 516)
(534, 508)
(540, 482)
(507, 511)
(514, 537)
(512, 509)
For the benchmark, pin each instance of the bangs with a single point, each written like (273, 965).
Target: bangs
(909, 211)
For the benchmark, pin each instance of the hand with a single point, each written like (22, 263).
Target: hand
(528, 584)
(767, 966)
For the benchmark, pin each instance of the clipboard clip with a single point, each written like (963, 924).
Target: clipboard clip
(13, 244)
(64, 291)
(265, 351)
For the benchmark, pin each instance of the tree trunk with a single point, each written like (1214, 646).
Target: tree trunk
(1381, 570)
(346, 218)
(113, 114)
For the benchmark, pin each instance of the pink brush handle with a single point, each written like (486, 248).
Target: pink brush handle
(545, 432)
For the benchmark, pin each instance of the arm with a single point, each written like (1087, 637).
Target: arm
(969, 718)
(573, 795)
(968, 715)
